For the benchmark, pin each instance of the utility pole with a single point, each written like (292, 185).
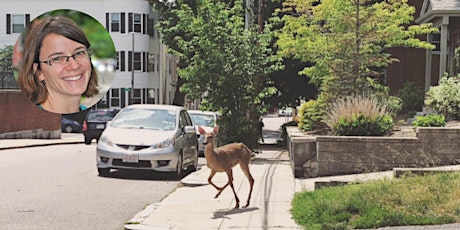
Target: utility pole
(132, 73)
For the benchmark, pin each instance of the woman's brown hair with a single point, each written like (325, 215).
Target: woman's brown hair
(34, 89)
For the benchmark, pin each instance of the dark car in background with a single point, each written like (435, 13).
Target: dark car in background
(95, 122)
(70, 126)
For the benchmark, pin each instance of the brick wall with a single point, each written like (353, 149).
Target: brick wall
(19, 118)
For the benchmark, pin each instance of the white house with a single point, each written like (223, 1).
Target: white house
(131, 26)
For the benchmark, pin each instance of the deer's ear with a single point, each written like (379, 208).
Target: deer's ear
(216, 130)
(201, 130)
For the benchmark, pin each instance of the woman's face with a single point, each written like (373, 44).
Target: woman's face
(69, 79)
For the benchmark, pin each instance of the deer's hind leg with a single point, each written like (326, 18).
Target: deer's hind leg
(245, 167)
(230, 182)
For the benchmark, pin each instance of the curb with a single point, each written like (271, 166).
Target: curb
(40, 145)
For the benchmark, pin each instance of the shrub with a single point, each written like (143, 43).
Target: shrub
(412, 98)
(361, 125)
(445, 97)
(430, 120)
(359, 116)
(311, 116)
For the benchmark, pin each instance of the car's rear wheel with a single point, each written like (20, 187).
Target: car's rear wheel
(87, 140)
(103, 171)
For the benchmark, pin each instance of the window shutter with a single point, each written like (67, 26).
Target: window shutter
(122, 23)
(27, 20)
(122, 62)
(8, 24)
(130, 22)
(107, 21)
(144, 62)
(145, 23)
(130, 60)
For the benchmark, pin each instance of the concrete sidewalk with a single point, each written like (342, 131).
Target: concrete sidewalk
(193, 206)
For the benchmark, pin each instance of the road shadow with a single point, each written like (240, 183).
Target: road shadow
(141, 174)
(223, 213)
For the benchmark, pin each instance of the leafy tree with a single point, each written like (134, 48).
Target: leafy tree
(347, 40)
(225, 63)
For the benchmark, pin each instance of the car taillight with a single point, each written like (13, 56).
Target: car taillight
(84, 126)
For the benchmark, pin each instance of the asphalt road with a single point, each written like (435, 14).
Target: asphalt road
(57, 187)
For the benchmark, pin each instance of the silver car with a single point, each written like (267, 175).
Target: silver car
(158, 137)
(205, 119)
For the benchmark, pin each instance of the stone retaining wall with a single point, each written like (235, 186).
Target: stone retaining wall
(314, 156)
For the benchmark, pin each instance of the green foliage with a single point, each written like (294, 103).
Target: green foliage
(348, 39)
(445, 97)
(430, 120)
(412, 98)
(6, 55)
(359, 116)
(311, 115)
(419, 200)
(224, 63)
(348, 42)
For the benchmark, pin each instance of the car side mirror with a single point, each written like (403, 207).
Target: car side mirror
(189, 129)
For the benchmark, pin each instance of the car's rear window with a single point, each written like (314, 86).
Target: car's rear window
(100, 115)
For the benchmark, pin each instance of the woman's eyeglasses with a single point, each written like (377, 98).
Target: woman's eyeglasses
(59, 61)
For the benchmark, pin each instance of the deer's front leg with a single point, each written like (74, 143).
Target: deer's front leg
(211, 175)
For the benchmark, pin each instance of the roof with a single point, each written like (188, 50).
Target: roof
(445, 4)
(437, 8)
(156, 106)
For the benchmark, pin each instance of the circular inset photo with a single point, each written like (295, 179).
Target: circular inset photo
(66, 61)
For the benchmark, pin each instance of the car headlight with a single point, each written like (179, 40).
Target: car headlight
(105, 140)
(165, 144)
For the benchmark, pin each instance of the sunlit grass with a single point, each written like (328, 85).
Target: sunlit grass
(414, 200)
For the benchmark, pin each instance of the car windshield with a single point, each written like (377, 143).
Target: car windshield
(155, 119)
(203, 119)
(100, 115)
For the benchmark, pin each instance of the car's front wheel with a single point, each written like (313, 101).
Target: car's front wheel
(180, 165)
(103, 171)
(68, 129)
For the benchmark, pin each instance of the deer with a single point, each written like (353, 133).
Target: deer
(223, 159)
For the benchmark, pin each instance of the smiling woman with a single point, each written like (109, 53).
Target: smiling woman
(56, 72)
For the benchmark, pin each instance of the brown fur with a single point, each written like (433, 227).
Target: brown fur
(223, 159)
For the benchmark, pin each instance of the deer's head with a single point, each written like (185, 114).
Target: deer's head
(208, 137)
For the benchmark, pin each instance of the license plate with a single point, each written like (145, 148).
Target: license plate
(100, 126)
(130, 158)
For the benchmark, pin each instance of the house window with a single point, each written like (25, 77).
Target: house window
(15, 23)
(137, 96)
(137, 23)
(436, 41)
(151, 62)
(115, 98)
(135, 59)
(115, 22)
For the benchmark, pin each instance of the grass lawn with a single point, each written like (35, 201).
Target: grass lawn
(410, 200)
